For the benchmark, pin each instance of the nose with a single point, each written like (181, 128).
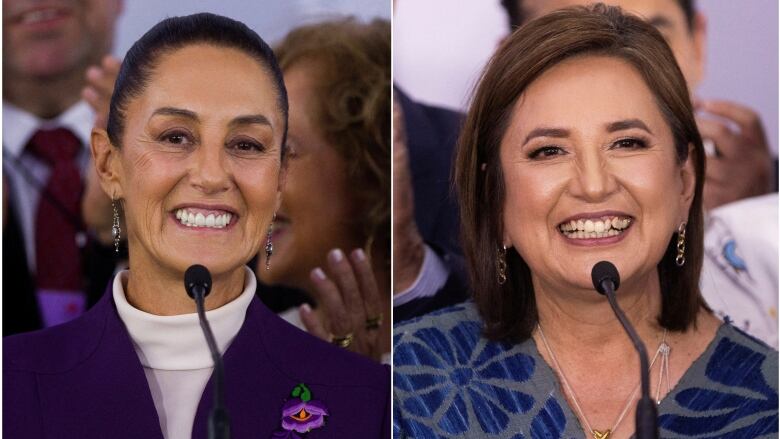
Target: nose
(210, 173)
(594, 180)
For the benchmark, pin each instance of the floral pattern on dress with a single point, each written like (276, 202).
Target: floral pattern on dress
(745, 398)
(456, 379)
(451, 382)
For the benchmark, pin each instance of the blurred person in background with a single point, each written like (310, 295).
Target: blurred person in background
(331, 236)
(53, 268)
(428, 269)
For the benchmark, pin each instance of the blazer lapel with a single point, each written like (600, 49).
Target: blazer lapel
(255, 387)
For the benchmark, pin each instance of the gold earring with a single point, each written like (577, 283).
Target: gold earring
(501, 265)
(680, 259)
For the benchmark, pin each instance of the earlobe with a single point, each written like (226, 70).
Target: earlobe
(104, 156)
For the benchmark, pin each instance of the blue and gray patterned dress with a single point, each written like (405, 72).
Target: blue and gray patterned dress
(452, 382)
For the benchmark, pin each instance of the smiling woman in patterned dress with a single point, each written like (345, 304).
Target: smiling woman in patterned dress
(580, 146)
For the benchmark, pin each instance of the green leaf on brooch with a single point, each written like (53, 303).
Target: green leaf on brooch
(302, 392)
(306, 394)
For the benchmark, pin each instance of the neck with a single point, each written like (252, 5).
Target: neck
(160, 291)
(46, 98)
(582, 320)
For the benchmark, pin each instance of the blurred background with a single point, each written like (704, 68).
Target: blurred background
(270, 19)
(439, 51)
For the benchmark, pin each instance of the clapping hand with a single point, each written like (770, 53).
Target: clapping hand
(740, 165)
(350, 310)
(100, 86)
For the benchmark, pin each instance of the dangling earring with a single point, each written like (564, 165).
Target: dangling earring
(680, 259)
(116, 231)
(269, 246)
(501, 265)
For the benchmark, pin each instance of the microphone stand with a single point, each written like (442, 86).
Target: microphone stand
(219, 424)
(646, 411)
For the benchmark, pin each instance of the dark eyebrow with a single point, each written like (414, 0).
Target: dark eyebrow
(240, 120)
(250, 120)
(171, 111)
(660, 22)
(546, 132)
(626, 124)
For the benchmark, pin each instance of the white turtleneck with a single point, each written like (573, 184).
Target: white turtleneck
(174, 354)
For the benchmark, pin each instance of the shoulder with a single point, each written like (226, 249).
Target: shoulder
(730, 391)
(450, 381)
(59, 348)
(305, 356)
(738, 358)
(451, 338)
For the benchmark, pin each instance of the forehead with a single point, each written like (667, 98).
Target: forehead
(215, 82)
(647, 9)
(584, 93)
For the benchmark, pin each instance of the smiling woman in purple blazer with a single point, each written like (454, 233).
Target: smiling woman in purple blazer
(194, 156)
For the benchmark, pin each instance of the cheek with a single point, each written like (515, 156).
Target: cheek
(258, 186)
(531, 194)
(654, 181)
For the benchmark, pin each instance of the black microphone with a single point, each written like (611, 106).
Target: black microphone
(606, 280)
(197, 282)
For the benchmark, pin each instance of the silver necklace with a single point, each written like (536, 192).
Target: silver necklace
(663, 375)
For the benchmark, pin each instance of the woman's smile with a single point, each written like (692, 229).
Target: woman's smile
(205, 217)
(600, 228)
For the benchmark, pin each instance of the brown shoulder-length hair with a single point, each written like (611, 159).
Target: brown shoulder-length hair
(509, 309)
(352, 109)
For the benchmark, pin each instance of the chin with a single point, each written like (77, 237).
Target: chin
(215, 265)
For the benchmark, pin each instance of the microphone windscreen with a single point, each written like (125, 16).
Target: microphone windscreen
(602, 271)
(197, 275)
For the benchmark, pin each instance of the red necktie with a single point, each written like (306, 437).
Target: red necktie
(58, 219)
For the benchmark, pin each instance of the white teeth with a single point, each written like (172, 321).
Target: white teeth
(192, 219)
(589, 227)
(41, 15)
(594, 228)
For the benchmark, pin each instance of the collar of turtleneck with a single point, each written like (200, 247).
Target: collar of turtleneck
(177, 342)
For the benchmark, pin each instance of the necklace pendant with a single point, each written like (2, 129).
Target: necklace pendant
(601, 435)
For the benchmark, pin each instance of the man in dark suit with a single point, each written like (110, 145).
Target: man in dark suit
(428, 269)
(47, 52)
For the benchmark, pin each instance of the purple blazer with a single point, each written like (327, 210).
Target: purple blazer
(83, 380)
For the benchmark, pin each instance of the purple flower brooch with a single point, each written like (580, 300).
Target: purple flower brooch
(300, 414)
